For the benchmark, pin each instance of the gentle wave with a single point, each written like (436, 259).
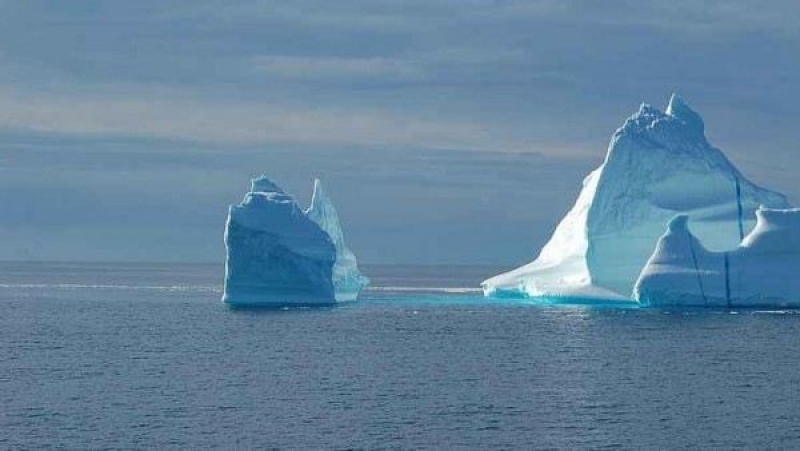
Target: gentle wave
(218, 289)
(453, 290)
(80, 286)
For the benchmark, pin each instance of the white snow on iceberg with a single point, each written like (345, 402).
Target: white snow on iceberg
(278, 254)
(658, 165)
(762, 271)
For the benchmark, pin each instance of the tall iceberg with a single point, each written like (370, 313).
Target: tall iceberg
(658, 165)
(278, 254)
(761, 271)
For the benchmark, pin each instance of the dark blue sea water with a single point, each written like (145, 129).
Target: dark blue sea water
(145, 356)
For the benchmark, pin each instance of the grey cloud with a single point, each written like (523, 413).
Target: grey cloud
(475, 120)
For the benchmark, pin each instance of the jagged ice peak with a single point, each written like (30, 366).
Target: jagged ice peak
(262, 184)
(678, 109)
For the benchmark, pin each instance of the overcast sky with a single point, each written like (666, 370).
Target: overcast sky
(445, 131)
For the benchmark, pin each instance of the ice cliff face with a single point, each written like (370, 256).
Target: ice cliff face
(762, 271)
(658, 165)
(277, 254)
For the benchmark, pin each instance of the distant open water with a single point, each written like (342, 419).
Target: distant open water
(127, 356)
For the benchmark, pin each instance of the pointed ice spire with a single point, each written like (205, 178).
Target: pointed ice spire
(678, 109)
(324, 214)
(347, 279)
(319, 198)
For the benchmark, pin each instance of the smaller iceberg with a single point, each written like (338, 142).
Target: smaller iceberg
(760, 272)
(278, 254)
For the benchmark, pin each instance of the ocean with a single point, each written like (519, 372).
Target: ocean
(144, 356)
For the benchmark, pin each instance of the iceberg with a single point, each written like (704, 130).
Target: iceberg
(761, 271)
(278, 254)
(658, 165)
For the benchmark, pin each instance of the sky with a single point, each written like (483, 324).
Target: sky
(446, 132)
